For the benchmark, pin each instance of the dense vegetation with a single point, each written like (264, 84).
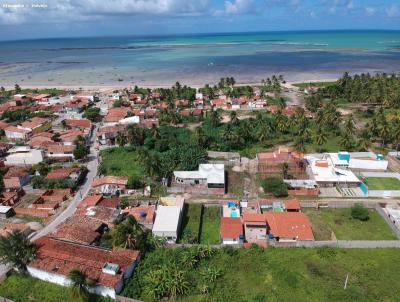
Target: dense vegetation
(275, 186)
(381, 89)
(267, 275)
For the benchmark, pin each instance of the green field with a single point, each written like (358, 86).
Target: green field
(339, 221)
(122, 162)
(382, 183)
(20, 288)
(282, 274)
(190, 226)
(210, 225)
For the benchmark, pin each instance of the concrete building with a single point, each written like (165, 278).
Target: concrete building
(209, 176)
(167, 222)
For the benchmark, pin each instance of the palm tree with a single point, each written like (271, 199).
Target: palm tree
(299, 145)
(233, 117)
(263, 133)
(215, 117)
(200, 137)
(285, 170)
(121, 139)
(228, 133)
(127, 234)
(320, 137)
(79, 282)
(384, 131)
(349, 125)
(346, 141)
(16, 249)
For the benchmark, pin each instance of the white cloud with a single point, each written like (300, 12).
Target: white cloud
(370, 11)
(236, 7)
(393, 11)
(69, 10)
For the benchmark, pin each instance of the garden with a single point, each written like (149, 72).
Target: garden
(345, 227)
(254, 274)
(200, 224)
(382, 183)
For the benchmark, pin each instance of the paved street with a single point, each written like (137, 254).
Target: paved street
(92, 165)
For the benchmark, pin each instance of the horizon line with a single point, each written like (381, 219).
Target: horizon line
(198, 34)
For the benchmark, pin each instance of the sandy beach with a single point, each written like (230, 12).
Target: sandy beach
(122, 85)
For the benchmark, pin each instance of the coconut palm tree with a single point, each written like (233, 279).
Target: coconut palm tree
(228, 133)
(299, 145)
(215, 117)
(233, 117)
(16, 249)
(263, 133)
(320, 137)
(121, 139)
(79, 282)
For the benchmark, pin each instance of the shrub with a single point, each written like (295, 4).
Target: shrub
(358, 211)
(276, 186)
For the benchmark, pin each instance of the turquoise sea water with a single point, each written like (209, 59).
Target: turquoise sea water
(200, 58)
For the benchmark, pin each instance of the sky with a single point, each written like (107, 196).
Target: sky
(31, 19)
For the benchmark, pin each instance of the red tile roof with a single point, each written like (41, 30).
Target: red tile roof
(293, 225)
(114, 180)
(83, 123)
(79, 233)
(61, 173)
(292, 204)
(90, 201)
(33, 123)
(61, 148)
(231, 227)
(254, 217)
(116, 114)
(61, 257)
(143, 213)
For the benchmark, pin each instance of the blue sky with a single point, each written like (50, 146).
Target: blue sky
(25, 19)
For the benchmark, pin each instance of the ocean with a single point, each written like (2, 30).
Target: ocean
(197, 59)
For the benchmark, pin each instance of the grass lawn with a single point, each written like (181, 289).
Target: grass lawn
(340, 222)
(382, 183)
(21, 288)
(190, 227)
(287, 274)
(121, 162)
(210, 225)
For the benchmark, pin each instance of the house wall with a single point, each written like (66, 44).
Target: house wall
(231, 241)
(15, 135)
(64, 281)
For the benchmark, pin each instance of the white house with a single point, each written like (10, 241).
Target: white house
(16, 134)
(327, 173)
(210, 175)
(167, 222)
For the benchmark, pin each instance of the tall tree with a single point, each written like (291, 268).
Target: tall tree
(80, 283)
(16, 249)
